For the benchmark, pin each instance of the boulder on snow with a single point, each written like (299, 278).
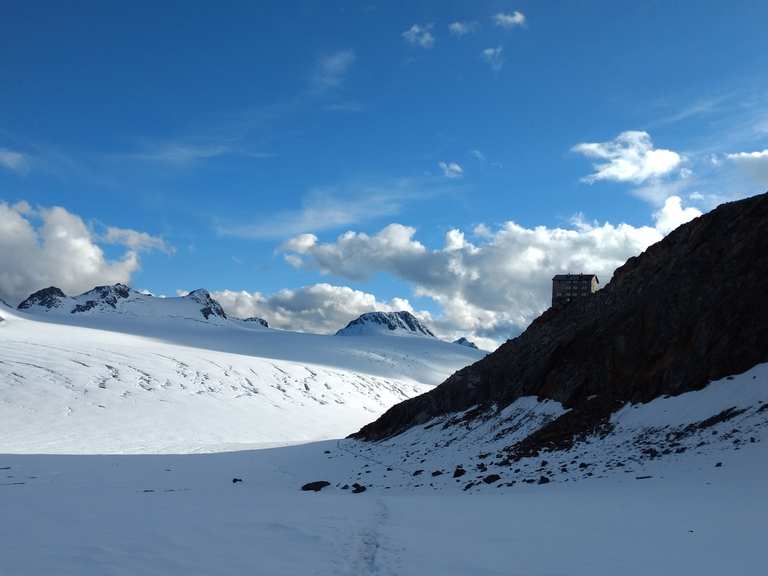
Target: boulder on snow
(315, 486)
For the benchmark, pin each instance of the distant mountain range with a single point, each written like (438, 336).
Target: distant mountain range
(120, 300)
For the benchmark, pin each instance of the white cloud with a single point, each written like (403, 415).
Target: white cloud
(672, 215)
(753, 163)
(53, 247)
(180, 154)
(13, 161)
(136, 240)
(509, 20)
(328, 208)
(494, 57)
(331, 69)
(451, 169)
(630, 157)
(418, 35)
(491, 285)
(319, 308)
(478, 155)
(462, 27)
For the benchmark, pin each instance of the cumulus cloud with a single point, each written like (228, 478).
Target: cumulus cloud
(462, 28)
(494, 57)
(672, 215)
(135, 240)
(331, 69)
(753, 163)
(13, 161)
(492, 284)
(319, 308)
(418, 35)
(451, 169)
(630, 157)
(509, 20)
(51, 246)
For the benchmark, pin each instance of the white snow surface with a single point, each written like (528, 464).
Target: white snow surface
(115, 381)
(181, 515)
(696, 506)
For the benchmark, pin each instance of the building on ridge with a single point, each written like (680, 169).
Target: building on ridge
(568, 287)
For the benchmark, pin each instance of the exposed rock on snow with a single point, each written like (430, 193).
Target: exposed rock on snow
(691, 431)
(48, 298)
(256, 320)
(464, 342)
(394, 322)
(315, 486)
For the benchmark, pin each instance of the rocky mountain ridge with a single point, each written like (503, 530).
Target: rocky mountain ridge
(689, 310)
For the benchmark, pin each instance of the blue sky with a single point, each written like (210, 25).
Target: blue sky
(223, 131)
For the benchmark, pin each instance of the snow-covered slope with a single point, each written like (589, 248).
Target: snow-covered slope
(395, 323)
(476, 450)
(182, 515)
(130, 379)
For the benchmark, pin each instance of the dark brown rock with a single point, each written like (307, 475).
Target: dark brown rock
(315, 486)
(688, 310)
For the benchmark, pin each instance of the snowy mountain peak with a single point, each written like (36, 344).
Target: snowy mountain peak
(210, 307)
(464, 342)
(102, 296)
(48, 298)
(388, 322)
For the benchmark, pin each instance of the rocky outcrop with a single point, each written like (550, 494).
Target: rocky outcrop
(464, 342)
(690, 309)
(50, 297)
(376, 322)
(256, 320)
(209, 306)
(102, 296)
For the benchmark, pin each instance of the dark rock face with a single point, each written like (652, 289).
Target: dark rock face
(315, 486)
(464, 342)
(357, 488)
(47, 298)
(107, 295)
(690, 309)
(388, 320)
(257, 320)
(209, 306)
